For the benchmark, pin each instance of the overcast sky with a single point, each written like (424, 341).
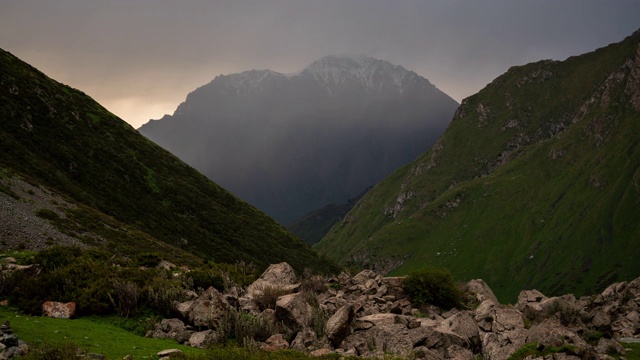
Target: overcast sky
(140, 58)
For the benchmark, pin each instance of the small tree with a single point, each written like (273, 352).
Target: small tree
(434, 286)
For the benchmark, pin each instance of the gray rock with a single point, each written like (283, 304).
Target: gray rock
(339, 325)
(209, 309)
(481, 291)
(168, 352)
(202, 339)
(609, 346)
(294, 311)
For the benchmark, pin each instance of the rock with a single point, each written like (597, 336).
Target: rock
(184, 308)
(209, 309)
(501, 329)
(279, 275)
(550, 333)
(601, 319)
(168, 353)
(422, 352)
(294, 311)
(458, 352)
(202, 339)
(171, 329)
(339, 325)
(8, 260)
(95, 356)
(481, 291)
(321, 352)
(59, 310)
(463, 324)
(609, 346)
(274, 343)
(9, 340)
(362, 277)
(164, 264)
(305, 340)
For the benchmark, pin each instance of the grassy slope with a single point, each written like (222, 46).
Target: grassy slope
(92, 336)
(568, 224)
(60, 137)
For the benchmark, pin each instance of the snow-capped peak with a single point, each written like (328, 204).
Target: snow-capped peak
(373, 74)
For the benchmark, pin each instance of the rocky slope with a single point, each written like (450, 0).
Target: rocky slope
(369, 315)
(535, 183)
(291, 144)
(120, 190)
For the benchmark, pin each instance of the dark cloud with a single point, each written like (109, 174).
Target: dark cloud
(140, 58)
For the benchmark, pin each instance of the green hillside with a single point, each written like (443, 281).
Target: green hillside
(126, 187)
(535, 184)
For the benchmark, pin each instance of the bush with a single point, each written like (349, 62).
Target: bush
(148, 259)
(434, 286)
(267, 297)
(203, 279)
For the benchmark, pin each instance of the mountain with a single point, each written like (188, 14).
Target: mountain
(534, 184)
(110, 186)
(313, 226)
(290, 144)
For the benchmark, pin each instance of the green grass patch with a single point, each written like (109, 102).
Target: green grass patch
(91, 335)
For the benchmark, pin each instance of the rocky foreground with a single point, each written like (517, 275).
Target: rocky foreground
(368, 315)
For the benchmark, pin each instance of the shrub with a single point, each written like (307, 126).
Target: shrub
(267, 297)
(148, 259)
(434, 286)
(127, 295)
(47, 214)
(48, 351)
(203, 279)
(312, 283)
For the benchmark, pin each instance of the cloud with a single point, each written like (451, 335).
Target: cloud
(149, 54)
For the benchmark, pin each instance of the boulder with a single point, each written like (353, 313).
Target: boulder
(59, 310)
(202, 339)
(305, 340)
(294, 311)
(209, 309)
(481, 291)
(339, 325)
(501, 329)
(550, 333)
(274, 343)
(609, 346)
(168, 353)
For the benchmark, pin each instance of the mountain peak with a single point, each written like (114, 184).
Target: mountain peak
(376, 76)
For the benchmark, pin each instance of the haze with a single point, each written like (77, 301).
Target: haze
(140, 58)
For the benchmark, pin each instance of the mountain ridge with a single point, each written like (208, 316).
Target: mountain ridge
(123, 186)
(534, 162)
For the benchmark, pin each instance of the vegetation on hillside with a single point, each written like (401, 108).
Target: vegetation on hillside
(59, 137)
(535, 184)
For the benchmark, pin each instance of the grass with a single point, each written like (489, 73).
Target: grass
(561, 225)
(91, 335)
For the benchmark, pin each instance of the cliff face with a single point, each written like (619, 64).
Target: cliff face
(535, 183)
(291, 144)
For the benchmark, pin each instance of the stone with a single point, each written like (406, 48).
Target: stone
(501, 329)
(550, 333)
(609, 346)
(171, 329)
(339, 325)
(209, 309)
(321, 352)
(59, 310)
(601, 319)
(362, 277)
(305, 340)
(274, 343)
(164, 264)
(422, 352)
(168, 353)
(184, 308)
(95, 356)
(279, 275)
(202, 339)
(481, 291)
(294, 311)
